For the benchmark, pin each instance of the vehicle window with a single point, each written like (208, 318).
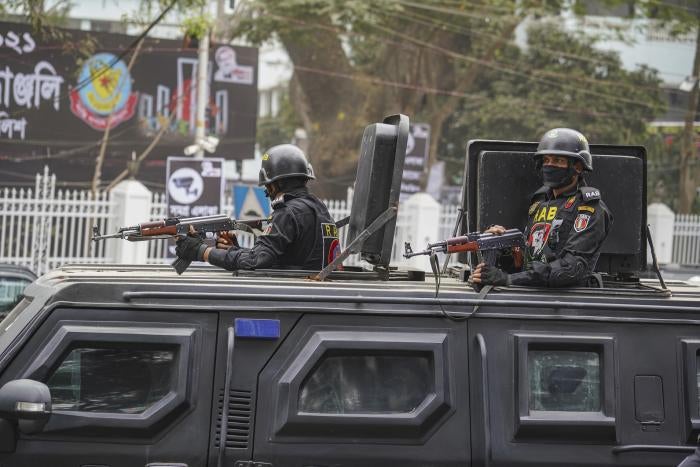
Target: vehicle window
(564, 380)
(12, 316)
(11, 292)
(114, 380)
(374, 383)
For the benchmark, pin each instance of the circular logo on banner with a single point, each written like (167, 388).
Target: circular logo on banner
(107, 88)
(104, 96)
(185, 185)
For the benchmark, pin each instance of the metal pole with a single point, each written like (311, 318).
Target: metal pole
(202, 93)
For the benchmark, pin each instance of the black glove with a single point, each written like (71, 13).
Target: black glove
(491, 275)
(191, 248)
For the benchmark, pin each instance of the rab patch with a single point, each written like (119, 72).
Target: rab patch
(533, 206)
(581, 222)
(331, 243)
(587, 208)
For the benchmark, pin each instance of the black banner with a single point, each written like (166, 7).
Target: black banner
(55, 103)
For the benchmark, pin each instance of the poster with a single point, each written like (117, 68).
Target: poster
(56, 103)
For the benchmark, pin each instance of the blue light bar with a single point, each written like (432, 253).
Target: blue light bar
(257, 328)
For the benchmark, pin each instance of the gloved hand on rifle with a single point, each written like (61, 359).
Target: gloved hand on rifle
(227, 240)
(191, 248)
(489, 275)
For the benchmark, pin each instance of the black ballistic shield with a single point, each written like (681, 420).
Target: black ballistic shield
(378, 184)
(500, 176)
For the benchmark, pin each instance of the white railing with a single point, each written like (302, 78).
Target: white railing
(44, 228)
(686, 239)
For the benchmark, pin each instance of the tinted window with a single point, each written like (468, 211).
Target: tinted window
(564, 380)
(112, 380)
(367, 383)
(11, 292)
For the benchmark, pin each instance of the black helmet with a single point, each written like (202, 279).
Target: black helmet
(565, 142)
(284, 161)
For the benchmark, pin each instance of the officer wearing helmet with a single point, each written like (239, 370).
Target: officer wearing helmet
(567, 220)
(301, 233)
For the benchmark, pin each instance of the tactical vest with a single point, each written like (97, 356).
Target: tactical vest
(550, 222)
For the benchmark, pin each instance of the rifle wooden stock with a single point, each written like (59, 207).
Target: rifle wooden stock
(160, 230)
(462, 247)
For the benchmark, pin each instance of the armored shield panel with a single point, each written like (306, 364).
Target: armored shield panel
(377, 185)
(500, 177)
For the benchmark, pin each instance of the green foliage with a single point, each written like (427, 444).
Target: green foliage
(196, 26)
(280, 128)
(43, 19)
(576, 86)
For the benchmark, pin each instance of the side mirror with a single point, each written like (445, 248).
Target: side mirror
(28, 402)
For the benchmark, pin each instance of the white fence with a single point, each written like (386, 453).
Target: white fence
(45, 227)
(686, 239)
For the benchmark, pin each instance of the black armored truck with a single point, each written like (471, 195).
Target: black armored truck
(122, 365)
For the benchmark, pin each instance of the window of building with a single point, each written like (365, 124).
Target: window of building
(564, 380)
(112, 380)
(370, 383)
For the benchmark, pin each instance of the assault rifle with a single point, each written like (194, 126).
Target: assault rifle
(485, 244)
(180, 227)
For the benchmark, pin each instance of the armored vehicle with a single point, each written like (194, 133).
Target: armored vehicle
(136, 366)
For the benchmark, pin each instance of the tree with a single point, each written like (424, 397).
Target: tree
(679, 18)
(356, 61)
(599, 98)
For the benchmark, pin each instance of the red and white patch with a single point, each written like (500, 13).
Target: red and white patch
(581, 222)
(537, 239)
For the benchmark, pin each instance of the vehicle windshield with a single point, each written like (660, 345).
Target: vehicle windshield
(9, 318)
(11, 289)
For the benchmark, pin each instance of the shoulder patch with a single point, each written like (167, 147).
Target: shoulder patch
(586, 208)
(589, 193)
(533, 206)
(581, 222)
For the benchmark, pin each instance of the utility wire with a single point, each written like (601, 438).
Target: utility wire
(114, 61)
(433, 22)
(459, 56)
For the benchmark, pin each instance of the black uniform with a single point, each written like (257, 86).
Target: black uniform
(564, 237)
(301, 235)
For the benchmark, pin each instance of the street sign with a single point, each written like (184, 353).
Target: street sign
(195, 187)
(416, 162)
(250, 202)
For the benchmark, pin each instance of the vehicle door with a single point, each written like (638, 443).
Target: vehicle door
(348, 390)
(128, 388)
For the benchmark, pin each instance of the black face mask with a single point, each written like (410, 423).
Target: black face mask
(557, 177)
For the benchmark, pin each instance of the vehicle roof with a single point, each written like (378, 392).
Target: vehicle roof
(208, 288)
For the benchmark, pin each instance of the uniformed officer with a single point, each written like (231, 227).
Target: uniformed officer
(567, 220)
(301, 233)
